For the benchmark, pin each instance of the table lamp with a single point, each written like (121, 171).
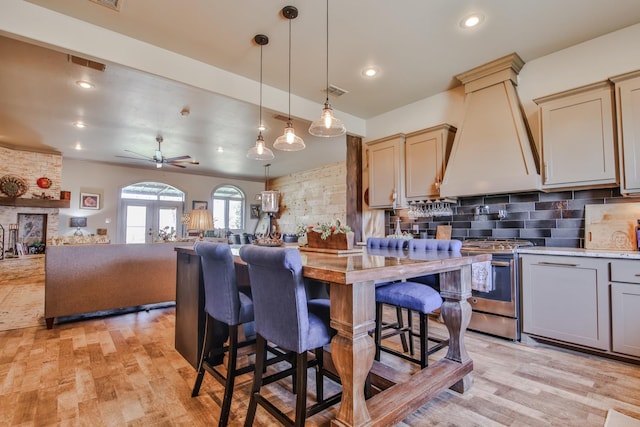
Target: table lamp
(201, 220)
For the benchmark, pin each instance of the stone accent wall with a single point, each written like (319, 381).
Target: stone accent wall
(310, 197)
(547, 219)
(30, 166)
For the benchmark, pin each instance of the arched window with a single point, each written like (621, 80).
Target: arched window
(149, 211)
(228, 208)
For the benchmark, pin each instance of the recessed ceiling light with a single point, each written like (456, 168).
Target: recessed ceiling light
(472, 20)
(370, 71)
(79, 125)
(78, 146)
(220, 150)
(84, 84)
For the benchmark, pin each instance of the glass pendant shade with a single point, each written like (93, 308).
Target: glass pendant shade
(327, 125)
(260, 151)
(270, 201)
(289, 141)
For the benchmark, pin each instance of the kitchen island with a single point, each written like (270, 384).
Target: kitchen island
(352, 292)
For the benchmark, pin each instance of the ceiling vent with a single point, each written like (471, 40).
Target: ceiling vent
(335, 91)
(111, 4)
(87, 63)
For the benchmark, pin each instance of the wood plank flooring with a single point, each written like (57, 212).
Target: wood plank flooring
(124, 371)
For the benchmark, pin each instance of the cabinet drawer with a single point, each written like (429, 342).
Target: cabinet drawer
(625, 271)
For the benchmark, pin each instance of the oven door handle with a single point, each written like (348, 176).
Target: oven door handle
(500, 263)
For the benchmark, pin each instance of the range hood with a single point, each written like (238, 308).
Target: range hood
(492, 151)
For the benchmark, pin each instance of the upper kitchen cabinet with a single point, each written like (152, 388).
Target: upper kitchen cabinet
(386, 172)
(425, 154)
(578, 137)
(627, 95)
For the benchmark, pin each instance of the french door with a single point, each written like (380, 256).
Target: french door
(143, 219)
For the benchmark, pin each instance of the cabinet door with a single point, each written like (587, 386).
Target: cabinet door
(625, 318)
(566, 298)
(426, 154)
(386, 172)
(578, 140)
(628, 115)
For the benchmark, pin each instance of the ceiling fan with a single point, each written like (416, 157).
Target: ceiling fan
(160, 160)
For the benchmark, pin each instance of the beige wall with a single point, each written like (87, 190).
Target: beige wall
(589, 62)
(108, 180)
(314, 196)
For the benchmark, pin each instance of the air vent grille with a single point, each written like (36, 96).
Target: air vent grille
(335, 91)
(111, 4)
(87, 63)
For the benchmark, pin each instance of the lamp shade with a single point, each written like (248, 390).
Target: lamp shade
(200, 219)
(289, 141)
(327, 125)
(270, 201)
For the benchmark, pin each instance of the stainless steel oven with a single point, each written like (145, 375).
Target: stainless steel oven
(497, 312)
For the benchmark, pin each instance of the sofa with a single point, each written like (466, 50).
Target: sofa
(83, 279)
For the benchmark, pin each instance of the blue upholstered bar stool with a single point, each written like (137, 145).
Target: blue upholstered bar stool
(285, 317)
(413, 295)
(228, 307)
(386, 246)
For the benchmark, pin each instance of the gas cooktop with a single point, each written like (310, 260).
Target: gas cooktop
(493, 245)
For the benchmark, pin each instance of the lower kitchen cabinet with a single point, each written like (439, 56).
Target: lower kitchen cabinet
(567, 299)
(625, 307)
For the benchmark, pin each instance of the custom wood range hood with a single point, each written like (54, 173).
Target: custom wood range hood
(492, 151)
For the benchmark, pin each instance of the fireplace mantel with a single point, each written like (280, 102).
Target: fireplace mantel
(34, 203)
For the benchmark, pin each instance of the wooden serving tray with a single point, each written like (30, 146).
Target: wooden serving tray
(331, 251)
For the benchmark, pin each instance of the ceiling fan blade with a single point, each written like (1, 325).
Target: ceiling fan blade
(177, 159)
(136, 158)
(137, 154)
(176, 165)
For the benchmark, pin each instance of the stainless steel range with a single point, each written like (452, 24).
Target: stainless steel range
(497, 312)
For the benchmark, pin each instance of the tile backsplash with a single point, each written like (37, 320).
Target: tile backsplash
(547, 219)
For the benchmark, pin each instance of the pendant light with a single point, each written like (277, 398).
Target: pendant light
(327, 125)
(260, 151)
(289, 141)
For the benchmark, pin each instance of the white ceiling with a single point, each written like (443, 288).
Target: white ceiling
(417, 44)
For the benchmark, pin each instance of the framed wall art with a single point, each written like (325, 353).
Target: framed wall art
(199, 204)
(255, 211)
(89, 201)
(32, 229)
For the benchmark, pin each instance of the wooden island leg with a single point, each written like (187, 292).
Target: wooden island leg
(455, 289)
(352, 349)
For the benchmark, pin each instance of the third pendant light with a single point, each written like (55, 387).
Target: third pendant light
(327, 125)
(289, 141)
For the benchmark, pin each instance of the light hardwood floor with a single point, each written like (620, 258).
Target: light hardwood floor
(124, 370)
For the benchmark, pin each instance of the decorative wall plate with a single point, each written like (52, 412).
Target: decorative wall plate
(44, 182)
(13, 186)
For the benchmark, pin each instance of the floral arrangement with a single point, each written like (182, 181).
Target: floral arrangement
(167, 233)
(326, 229)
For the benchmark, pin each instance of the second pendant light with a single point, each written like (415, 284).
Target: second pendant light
(289, 141)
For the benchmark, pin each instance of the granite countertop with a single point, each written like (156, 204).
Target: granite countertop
(595, 253)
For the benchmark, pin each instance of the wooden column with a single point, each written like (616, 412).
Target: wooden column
(354, 185)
